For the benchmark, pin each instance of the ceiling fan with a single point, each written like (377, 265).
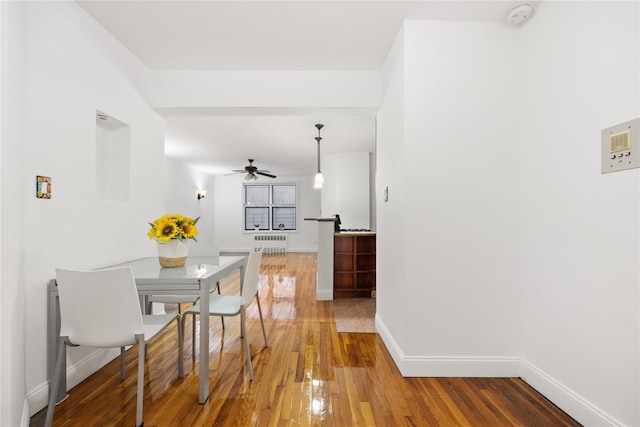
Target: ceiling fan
(253, 172)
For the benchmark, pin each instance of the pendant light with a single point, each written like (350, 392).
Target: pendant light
(319, 179)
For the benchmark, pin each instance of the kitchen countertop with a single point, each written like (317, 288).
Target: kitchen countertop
(355, 233)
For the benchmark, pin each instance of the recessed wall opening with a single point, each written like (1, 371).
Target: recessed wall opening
(112, 158)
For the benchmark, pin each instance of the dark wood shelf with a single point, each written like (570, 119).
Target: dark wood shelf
(354, 265)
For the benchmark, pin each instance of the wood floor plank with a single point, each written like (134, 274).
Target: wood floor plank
(310, 375)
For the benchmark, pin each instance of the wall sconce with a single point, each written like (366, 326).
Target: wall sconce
(202, 194)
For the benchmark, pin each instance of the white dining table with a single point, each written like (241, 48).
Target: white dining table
(198, 277)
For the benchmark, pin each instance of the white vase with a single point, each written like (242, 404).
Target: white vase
(173, 253)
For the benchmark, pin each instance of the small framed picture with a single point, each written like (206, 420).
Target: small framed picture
(43, 187)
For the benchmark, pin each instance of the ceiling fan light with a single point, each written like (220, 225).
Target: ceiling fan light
(248, 177)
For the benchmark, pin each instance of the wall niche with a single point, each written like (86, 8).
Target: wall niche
(113, 138)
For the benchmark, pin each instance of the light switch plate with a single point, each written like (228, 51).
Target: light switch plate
(43, 187)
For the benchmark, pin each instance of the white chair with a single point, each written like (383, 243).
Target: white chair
(232, 305)
(115, 321)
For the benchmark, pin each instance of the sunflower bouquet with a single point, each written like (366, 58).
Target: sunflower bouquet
(173, 226)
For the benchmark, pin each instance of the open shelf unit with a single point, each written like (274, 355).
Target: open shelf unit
(354, 265)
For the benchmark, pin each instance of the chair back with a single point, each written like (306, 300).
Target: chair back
(99, 308)
(204, 249)
(251, 277)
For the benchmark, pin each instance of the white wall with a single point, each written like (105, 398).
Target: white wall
(229, 214)
(516, 256)
(391, 283)
(182, 185)
(264, 89)
(580, 229)
(68, 77)
(461, 122)
(459, 219)
(13, 408)
(346, 188)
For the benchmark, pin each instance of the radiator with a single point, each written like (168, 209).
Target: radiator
(270, 243)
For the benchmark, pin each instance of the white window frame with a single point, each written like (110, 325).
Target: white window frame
(270, 205)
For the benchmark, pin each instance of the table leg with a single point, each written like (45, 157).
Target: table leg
(203, 371)
(53, 332)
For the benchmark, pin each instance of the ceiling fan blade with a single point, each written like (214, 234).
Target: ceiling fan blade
(253, 171)
(265, 174)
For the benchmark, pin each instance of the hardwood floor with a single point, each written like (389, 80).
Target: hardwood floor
(309, 375)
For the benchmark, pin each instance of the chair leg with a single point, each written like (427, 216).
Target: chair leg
(53, 387)
(221, 317)
(141, 353)
(193, 331)
(180, 347)
(122, 364)
(193, 334)
(264, 333)
(243, 327)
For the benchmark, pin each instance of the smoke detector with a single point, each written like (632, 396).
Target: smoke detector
(519, 14)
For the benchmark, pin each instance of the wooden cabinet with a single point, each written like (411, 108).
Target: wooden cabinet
(354, 265)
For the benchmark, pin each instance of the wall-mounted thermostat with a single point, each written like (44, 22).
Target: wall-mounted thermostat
(621, 146)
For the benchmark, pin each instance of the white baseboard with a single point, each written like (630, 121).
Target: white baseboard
(392, 346)
(324, 295)
(566, 399)
(448, 366)
(38, 398)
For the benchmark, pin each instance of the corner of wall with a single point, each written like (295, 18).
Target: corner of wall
(566, 399)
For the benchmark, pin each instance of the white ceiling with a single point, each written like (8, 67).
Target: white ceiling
(284, 145)
(270, 35)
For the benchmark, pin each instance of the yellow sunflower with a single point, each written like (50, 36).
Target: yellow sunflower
(173, 226)
(189, 230)
(166, 230)
(152, 232)
(173, 218)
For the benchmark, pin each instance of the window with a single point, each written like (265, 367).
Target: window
(271, 206)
